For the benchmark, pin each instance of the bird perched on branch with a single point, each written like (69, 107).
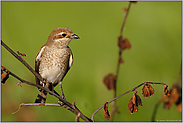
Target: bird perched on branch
(53, 61)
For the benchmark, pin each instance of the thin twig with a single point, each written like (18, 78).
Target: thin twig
(40, 104)
(22, 61)
(121, 31)
(155, 110)
(92, 117)
(123, 25)
(114, 109)
(36, 104)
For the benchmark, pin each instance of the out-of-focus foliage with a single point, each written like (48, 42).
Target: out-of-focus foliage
(154, 30)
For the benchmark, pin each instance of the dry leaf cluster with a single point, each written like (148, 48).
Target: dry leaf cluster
(174, 96)
(135, 100)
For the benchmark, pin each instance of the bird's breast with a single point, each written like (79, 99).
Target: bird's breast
(54, 64)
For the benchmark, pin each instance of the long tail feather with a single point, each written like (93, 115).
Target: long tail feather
(41, 97)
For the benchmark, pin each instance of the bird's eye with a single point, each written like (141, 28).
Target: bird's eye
(63, 34)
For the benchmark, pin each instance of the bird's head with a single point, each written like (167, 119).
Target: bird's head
(61, 37)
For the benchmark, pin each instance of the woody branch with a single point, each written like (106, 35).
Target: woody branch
(66, 104)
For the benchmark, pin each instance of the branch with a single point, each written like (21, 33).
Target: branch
(155, 110)
(123, 25)
(92, 117)
(22, 61)
(114, 109)
(66, 104)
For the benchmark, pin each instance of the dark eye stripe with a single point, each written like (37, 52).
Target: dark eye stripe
(61, 36)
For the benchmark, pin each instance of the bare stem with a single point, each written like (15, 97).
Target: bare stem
(114, 109)
(123, 25)
(155, 111)
(21, 60)
(38, 104)
(92, 117)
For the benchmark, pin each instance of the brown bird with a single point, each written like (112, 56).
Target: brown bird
(53, 61)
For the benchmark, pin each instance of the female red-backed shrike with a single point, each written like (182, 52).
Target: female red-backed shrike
(53, 60)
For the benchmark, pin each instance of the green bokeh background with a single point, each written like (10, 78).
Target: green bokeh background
(154, 30)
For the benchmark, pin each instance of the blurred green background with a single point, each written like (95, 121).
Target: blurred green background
(154, 30)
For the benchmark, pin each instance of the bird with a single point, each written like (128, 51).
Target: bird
(53, 61)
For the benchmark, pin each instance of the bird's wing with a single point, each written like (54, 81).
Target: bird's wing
(37, 62)
(70, 59)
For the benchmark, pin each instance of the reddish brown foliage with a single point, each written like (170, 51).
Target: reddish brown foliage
(173, 97)
(123, 43)
(179, 107)
(134, 102)
(110, 81)
(147, 90)
(166, 91)
(4, 75)
(105, 111)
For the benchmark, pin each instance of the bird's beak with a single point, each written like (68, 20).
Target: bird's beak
(74, 36)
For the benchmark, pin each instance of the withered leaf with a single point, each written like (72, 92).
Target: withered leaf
(123, 43)
(110, 81)
(105, 111)
(164, 98)
(136, 99)
(132, 107)
(166, 91)
(147, 90)
(134, 102)
(173, 96)
(4, 77)
(179, 107)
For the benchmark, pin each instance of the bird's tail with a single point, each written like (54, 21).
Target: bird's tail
(41, 97)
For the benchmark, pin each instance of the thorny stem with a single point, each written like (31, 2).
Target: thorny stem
(92, 117)
(66, 105)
